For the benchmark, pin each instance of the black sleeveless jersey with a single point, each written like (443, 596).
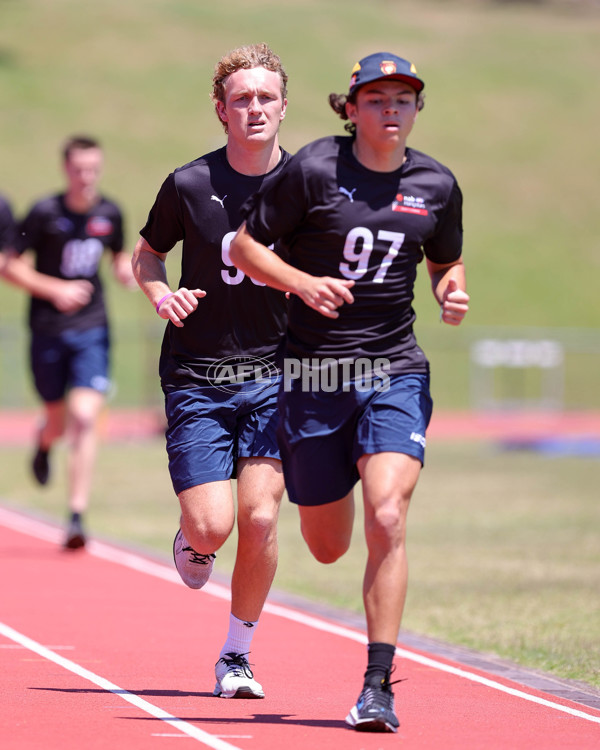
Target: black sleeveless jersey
(199, 204)
(70, 246)
(337, 218)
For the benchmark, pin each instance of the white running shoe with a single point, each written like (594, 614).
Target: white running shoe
(194, 568)
(235, 678)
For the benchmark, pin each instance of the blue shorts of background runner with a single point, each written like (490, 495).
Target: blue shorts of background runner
(322, 435)
(209, 429)
(72, 359)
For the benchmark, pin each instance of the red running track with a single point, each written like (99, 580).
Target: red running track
(19, 427)
(107, 649)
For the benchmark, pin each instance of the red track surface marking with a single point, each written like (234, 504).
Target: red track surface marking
(523, 425)
(107, 649)
(19, 427)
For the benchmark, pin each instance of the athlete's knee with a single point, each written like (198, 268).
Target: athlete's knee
(326, 552)
(258, 510)
(54, 429)
(81, 422)
(385, 525)
(327, 529)
(326, 548)
(259, 525)
(207, 535)
(55, 420)
(83, 414)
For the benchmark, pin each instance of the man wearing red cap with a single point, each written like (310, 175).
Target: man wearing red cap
(358, 214)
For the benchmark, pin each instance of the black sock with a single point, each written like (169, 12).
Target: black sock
(379, 665)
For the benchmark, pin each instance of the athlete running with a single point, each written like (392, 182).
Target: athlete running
(358, 214)
(68, 234)
(217, 364)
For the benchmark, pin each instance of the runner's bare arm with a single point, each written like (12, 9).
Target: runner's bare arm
(67, 295)
(323, 293)
(150, 273)
(122, 270)
(449, 288)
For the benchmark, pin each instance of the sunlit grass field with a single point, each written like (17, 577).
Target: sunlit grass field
(504, 547)
(512, 108)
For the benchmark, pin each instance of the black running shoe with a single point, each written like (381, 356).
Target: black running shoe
(75, 538)
(41, 466)
(374, 709)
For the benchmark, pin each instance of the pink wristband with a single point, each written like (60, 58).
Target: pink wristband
(162, 299)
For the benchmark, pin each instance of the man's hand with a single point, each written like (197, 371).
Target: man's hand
(325, 294)
(179, 305)
(69, 296)
(455, 304)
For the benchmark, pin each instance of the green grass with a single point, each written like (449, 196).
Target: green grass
(512, 107)
(504, 547)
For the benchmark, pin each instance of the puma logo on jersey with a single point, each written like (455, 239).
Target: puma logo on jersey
(349, 193)
(219, 200)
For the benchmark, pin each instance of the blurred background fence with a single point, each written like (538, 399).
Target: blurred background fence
(477, 368)
(526, 158)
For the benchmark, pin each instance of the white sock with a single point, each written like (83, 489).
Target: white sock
(239, 637)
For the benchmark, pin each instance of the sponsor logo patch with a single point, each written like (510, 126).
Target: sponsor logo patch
(410, 204)
(99, 226)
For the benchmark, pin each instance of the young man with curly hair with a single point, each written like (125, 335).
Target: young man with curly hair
(217, 364)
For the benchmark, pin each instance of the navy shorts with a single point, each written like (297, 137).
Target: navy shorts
(72, 359)
(209, 429)
(322, 435)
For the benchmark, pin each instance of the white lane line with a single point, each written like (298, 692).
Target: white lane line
(158, 713)
(344, 632)
(18, 646)
(136, 562)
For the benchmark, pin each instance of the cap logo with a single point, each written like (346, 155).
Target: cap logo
(413, 69)
(388, 67)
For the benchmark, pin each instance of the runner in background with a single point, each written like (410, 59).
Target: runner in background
(66, 295)
(8, 231)
(67, 234)
(358, 214)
